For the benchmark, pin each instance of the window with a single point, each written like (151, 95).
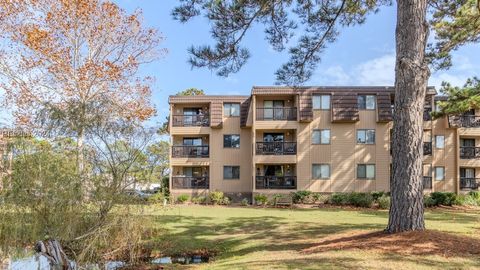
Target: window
(439, 173)
(231, 109)
(192, 141)
(231, 141)
(366, 102)
(320, 171)
(231, 172)
(321, 102)
(440, 141)
(366, 171)
(321, 136)
(366, 136)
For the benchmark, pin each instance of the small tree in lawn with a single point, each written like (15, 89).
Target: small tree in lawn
(61, 59)
(320, 22)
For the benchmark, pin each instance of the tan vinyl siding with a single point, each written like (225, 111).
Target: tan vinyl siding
(343, 153)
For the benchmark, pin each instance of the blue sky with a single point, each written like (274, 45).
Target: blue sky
(362, 55)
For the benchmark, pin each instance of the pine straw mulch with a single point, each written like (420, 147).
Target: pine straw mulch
(427, 242)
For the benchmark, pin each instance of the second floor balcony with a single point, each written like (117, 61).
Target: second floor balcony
(469, 152)
(277, 114)
(194, 120)
(276, 148)
(190, 182)
(427, 148)
(190, 151)
(466, 121)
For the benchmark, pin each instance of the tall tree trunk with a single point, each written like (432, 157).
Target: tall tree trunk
(411, 78)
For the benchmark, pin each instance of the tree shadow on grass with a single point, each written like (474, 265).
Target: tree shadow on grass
(239, 236)
(409, 243)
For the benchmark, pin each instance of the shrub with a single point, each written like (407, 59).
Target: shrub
(353, 198)
(261, 199)
(245, 202)
(377, 194)
(156, 198)
(319, 197)
(199, 200)
(428, 201)
(226, 201)
(383, 202)
(361, 199)
(443, 198)
(339, 199)
(183, 198)
(475, 195)
(301, 196)
(468, 199)
(216, 197)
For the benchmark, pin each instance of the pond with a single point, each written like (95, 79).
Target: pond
(40, 262)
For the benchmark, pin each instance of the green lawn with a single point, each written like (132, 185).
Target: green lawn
(252, 238)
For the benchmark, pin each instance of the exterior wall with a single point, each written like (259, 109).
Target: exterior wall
(220, 156)
(343, 154)
(446, 157)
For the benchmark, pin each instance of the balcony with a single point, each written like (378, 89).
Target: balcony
(277, 114)
(427, 114)
(276, 148)
(469, 183)
(427, 148)
(189, 182)
(469, 152)
(196, 120)
(427, 182)
(466, 121)
(275, 182)
(190, 151)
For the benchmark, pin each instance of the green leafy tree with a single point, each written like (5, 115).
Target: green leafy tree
(459, 99)
(455, 23)
(319, 22)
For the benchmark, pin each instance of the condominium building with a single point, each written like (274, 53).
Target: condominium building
(322, 139)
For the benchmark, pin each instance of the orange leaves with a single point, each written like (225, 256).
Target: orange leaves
(65, 51)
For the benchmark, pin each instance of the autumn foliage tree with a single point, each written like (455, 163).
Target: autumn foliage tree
(65, 64)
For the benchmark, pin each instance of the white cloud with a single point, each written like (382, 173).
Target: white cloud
(334, 75)
(378, 71)
(455, 80)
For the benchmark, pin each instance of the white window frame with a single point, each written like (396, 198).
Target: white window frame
(365, 132)
(437, 145)
(228, 109)
(318, 102)
(436, 174)
(321, 176)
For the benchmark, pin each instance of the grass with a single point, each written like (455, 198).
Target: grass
(253, 238)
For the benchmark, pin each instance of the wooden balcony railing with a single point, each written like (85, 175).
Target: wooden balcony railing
(469, 183)
(276, 148)
(189, 182)
(194, 151)
(427, 148)
(276, 182)
(277, 113)
(464, 121)
(469, 152)
(198, 120)
(427, 182)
